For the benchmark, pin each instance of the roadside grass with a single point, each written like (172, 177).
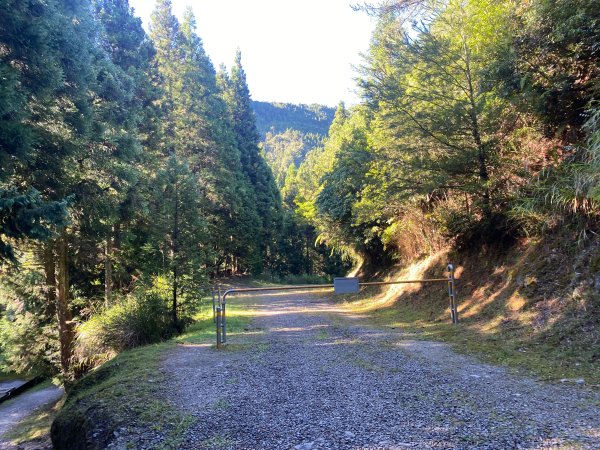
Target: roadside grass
(488, 336)
(239, 313)
(128, 392)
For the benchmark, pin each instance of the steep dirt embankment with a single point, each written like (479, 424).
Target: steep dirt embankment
(535, 305)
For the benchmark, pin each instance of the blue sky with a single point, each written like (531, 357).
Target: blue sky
(292, 51)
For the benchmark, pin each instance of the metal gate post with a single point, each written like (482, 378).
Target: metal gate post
(223, 320)
(219, 342)
(452, 294)
(214, 306)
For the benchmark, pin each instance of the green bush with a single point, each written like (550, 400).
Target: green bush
(138, 319)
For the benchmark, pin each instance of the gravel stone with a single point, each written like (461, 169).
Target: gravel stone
(307, 376)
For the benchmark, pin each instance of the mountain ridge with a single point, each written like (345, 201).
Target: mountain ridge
(277, 117)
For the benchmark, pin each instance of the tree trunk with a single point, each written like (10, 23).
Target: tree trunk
(117, 282)
(175, 250)
(50, 275)
(63, 310)
(108, 254)
(308, 265)
(476, 133)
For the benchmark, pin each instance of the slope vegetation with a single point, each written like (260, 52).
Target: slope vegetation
(535, 306)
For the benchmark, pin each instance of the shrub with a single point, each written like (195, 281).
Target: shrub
(138, 319)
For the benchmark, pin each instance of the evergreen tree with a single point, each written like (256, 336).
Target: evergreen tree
(55, 63)
(254, 166)
(197, 127)
(178, 245)
(31, 74)
(130, 130)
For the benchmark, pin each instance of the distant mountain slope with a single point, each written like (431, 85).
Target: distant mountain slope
(288, 132)
(278, 117)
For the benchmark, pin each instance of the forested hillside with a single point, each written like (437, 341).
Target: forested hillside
(279, 117)
(479, 123)
(289, 132)
(478, 137)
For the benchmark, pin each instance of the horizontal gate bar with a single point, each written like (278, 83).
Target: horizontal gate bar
(326, 286)
(382, 283)
(279, 288)
(222, 298)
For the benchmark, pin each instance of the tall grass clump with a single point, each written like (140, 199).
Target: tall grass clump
(137, 319)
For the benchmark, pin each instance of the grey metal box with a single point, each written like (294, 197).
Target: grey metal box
(347, 285)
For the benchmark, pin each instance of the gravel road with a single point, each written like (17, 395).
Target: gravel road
(15, 410)
(305, 377)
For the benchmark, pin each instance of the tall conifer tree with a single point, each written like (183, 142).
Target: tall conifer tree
(254, 166)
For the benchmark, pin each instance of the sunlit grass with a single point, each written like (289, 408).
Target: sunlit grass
(484, 337)
(239, 313)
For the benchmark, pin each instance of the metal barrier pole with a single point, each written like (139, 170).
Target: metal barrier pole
(214, 306)
(219, 343)
(223, 321)
(223, 312)
(452, 294)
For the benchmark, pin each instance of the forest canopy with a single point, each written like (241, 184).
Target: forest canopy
(478, 124)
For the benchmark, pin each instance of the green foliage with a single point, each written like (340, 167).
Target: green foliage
(451, 137)
(28, 336)
(124, 155)
(175, 249)
(140, 318)
(27, 215)
(263, 192)
(437, 113)
(555, 66)
(126, 160)
(340, 189)
(569, 191)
